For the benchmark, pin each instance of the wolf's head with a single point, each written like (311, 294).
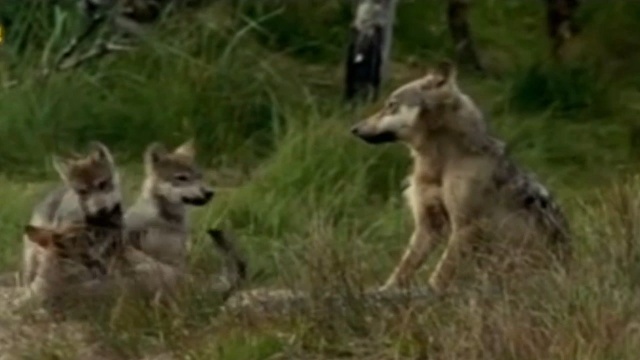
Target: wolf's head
(70, 247)
(175, 176)
(418, 108)
(94, 178)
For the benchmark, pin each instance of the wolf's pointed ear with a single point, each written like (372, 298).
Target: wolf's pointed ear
(62, 167)
(41, 236)
(154, 153)
(444, 73)
(101, 152)
(187, 149)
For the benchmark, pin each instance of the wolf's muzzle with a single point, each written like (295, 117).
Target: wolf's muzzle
(374, 137)
(207, 195)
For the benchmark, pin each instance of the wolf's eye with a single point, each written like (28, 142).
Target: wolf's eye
(182, 177)
(82, 191)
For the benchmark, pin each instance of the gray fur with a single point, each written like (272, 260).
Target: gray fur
(59, 207)
(94, 174)
(157, 219)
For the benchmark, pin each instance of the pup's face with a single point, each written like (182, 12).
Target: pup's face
(95, 180)
(176, 176)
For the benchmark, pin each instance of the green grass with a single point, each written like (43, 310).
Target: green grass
(259, 87)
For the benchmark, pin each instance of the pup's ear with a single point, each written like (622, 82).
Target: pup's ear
(62, 167)
(153, 155)
(101, 152)
(448, 70)
(187, 149)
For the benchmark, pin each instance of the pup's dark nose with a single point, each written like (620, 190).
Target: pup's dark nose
(116, 209)
(103, 212)
(208, 194)
(355, 130)
(106, 217)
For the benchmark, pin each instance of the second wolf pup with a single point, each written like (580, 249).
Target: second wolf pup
(158, 219)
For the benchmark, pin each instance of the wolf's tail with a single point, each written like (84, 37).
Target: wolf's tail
(234, 272)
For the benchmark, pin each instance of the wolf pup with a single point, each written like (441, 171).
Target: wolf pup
(158, 219)
(463, 188)
(90, 195)
(71, 274)
(64, 257)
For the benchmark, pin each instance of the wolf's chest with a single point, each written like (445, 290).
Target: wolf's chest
(165, 244)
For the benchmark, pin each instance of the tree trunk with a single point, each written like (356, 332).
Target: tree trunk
(560, 24)
(365, 52)
(389, 15)
(457, 15)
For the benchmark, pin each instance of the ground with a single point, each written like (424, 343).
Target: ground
(259, 87)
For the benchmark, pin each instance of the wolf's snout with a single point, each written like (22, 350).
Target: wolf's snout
(106, 216)
(116, 209)
(372, 135)
(103, 212)
(201, 199)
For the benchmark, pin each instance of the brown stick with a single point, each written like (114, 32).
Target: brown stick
(457, 15)
(273, 302)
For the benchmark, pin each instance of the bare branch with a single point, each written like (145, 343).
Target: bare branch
(282, 302)
(100, 49)
(93, 25)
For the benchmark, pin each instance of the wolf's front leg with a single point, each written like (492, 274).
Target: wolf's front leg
(431, 226)
(30, 263)
(459, 242)
(420, 245)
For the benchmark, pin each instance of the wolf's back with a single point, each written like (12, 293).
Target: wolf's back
(529, 193)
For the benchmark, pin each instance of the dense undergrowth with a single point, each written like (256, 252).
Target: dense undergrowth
(258, 84)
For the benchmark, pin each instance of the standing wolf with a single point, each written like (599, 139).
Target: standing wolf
(90, 195)
(172, 182)
(463, 186)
